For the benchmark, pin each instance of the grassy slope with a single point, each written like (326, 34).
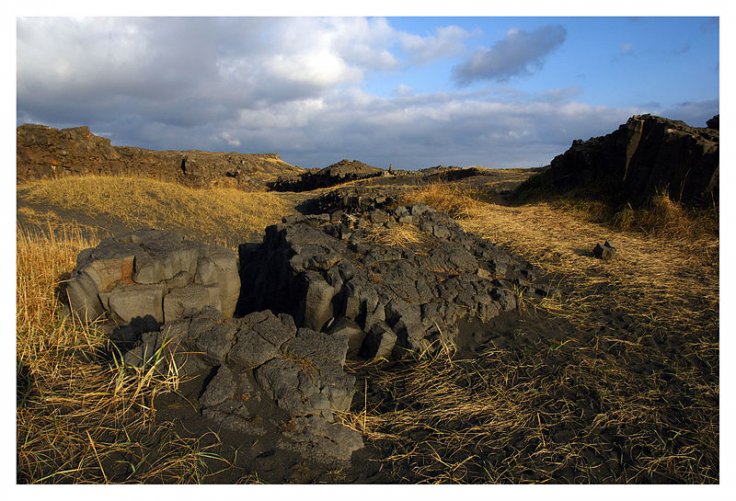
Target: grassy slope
(221, 215)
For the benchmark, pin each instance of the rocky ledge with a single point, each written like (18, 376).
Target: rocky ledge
(388, 279)
(340, 172)
(45, 152)
(644, 156)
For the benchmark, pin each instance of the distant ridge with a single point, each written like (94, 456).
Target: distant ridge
(46, 152)
(337, 173)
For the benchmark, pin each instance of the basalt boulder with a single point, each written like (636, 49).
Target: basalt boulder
(151, 277)
(267, 376)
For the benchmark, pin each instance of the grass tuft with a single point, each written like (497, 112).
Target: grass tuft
(402, 236)
(666, 218)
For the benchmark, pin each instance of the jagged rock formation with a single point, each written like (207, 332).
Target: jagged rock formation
(354, 200)
(365, 279)
(387, 279)
(341, 172)
(268, 378)
(45, 152)
(149, 277)
(645, 155)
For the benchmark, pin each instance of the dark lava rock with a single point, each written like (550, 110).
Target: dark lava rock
(605, 251)
(645, 155)
(399, 284)
(355, 201)
(341, 172)
(441, 173)
(714, 123)
(151, 277)
(268, 377)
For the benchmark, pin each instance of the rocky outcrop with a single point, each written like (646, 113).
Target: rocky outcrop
(386, 279)
(441, 173)
(149, 277)
(605, 251)
(45, 152)
(266, 376)
(645, 155)
(341, 172)
(354, 200)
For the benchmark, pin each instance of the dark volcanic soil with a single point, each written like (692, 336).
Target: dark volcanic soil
(255, 458)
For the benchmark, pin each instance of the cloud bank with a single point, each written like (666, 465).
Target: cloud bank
(295, 86)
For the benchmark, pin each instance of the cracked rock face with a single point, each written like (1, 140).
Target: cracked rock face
(268, 375)
(152, 276)
(384, 279)
(646, 155)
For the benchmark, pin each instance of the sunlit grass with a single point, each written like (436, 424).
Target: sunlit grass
(82, 416)
(218, 215)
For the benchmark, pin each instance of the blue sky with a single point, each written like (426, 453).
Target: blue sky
(411, 91)
(674, 59)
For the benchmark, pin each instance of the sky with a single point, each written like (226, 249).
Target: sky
(412, 92)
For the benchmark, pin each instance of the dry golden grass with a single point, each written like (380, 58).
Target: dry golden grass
(453, 199)
(636, 402)
(546, 414)
(633, 401)
(673, 268)
(220, 215)
(665, 218)
(82, 417)
(403, 235)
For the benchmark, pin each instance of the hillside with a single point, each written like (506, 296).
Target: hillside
(45, 152)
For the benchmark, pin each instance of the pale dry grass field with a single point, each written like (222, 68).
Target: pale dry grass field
(220, 215)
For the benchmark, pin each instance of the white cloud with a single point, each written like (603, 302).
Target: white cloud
(290, 85)
(227, 138)
(626, 48)
(448, 41)
(416, 131)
